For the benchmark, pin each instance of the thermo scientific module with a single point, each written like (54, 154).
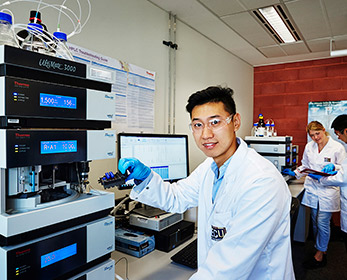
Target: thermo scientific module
(53, 122)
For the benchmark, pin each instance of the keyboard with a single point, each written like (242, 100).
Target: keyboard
(187, 256)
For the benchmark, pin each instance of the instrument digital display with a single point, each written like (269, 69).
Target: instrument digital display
(58, 101)
(58, 255)
(54, 147)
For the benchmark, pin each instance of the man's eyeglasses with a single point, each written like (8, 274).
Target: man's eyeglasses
(213, 124)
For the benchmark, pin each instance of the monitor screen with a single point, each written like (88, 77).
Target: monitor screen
(165, 154)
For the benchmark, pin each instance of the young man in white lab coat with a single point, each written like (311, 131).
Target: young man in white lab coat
(340, 179)
(243, 201)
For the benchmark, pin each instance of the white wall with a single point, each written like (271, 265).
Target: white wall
(201, 63)
(133, 31)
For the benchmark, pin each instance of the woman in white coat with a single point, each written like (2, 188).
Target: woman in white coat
(322, 200)
(340, 179)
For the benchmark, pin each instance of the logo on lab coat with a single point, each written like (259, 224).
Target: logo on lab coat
(218, 233)
(327, 159)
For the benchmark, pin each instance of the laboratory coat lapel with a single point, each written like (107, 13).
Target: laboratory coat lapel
(209, 179)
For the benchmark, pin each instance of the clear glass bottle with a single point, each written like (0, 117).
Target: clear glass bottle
(35, 40)
(7, 35)
(62, 50)
(267, 129)
(272, 129)
(254, 129)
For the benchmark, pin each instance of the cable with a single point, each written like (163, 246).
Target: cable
(58, 24)
(126, 268)
(77, 27)
(95, 190)
(37, 11)
(119, 205)
(57, 7)
(89, 13)
(44, 36)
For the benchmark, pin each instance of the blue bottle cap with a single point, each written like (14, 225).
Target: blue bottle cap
(6, 17)
(60, 36)
(35, 26)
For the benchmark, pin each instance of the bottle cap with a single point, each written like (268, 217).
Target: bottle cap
(35, 16)
(35, 27)
(272, 124)
(60, 36)
(267, 124)
(260, 116)
(6, 17)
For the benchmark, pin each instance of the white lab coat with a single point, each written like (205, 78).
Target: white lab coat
(340, 179)
(252, 205)
(328, 197)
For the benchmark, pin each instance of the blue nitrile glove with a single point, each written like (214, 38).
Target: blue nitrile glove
(314, 176)
(138, 171)
(287, 171)
(318, 177)
(329, 167)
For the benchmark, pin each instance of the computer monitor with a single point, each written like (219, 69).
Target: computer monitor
(166, 154)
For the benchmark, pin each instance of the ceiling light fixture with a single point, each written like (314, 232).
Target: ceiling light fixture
(336, 52)
(273, 18)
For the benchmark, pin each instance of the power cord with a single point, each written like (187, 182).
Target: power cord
(119, 205)
(126, 269)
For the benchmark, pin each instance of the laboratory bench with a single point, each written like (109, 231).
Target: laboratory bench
(156, 265)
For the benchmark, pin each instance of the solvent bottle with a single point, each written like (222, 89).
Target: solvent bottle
(62, 50)
(35, 40)
(7, 36)
(35, 17)
(267, 129)
(254, 129)
(260, 126)
(273, 130)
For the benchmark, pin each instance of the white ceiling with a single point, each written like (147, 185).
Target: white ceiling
(232, 25)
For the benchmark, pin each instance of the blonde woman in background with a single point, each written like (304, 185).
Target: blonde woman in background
(340, 179)
(322, 200)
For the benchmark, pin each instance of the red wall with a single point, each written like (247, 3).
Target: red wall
(282, 92)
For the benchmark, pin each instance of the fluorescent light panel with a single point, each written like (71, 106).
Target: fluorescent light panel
(273, 18)
(338, 53)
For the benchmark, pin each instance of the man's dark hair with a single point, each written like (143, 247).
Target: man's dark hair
(213, 94)
(340, 123)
